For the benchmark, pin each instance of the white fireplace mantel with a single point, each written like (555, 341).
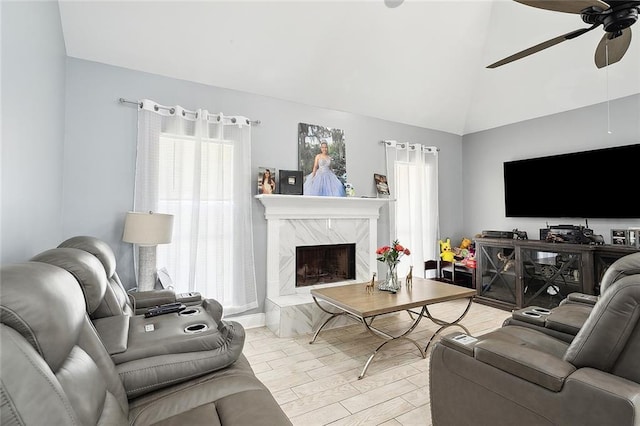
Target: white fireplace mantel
(300, 220)
(279, 206)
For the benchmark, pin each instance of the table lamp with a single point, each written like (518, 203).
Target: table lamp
(147, 230)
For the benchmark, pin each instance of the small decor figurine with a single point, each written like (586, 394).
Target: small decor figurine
(391, 255)
(409, 280)
(369, 287)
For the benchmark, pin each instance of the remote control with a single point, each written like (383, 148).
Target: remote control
(164, 309)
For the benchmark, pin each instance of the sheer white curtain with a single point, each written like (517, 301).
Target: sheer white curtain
(412, 175)
(197, 166)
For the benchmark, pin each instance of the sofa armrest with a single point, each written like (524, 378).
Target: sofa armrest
(459, 341)
(587, 299)
(114, 332)
(529, 364)
(191, 298)
(143, 300)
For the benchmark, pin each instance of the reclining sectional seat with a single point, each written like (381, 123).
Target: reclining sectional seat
(55, 370)
(117, 300)
(565, 320)
(518, 375)
(151, 353)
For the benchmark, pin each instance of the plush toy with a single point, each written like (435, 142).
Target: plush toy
(462, 252)
(465, 243)
(446, 252)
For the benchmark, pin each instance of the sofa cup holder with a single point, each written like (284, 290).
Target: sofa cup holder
(541, 311)
(189, 312)
(531, 314)
(195, 328)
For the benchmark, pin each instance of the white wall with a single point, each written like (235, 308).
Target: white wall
(577, 130)
(100, 146)
(33, 85)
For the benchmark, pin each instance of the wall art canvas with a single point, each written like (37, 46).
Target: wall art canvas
(267, 180)
(322, 160)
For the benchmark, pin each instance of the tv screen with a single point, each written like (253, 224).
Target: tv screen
(601, 183)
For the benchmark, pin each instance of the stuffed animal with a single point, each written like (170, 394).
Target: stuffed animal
(446, 252)
(462, 252)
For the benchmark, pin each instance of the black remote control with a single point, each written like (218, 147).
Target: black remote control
(164, 309)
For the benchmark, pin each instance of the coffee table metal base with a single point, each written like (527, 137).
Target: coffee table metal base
(368, 324)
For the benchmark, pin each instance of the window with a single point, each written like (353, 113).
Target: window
(195, 168)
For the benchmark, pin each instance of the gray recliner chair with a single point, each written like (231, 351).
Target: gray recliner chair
(518, 375)
(55, 370)
(565, 320)
(117, 300)
(155, 352)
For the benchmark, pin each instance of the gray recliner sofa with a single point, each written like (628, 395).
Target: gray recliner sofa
(117, 300)
(55, 370)
(565, 320)
(155, 352)
(518, 375)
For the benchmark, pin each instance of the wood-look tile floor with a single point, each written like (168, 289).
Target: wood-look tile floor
(318, 384)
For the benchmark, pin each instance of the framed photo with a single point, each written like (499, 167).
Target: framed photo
(291, 182)
(267, 180)
(382, 186)
(619, 237)
(310, 136)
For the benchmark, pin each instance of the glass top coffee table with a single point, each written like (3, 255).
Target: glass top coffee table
(354, 301)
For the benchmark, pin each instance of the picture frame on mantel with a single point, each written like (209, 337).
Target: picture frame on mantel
(267, 183)
(382, 186)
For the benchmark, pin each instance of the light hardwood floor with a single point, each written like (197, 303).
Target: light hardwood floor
(318, 384)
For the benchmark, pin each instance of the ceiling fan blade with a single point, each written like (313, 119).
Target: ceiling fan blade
(611, 51)
(541, 46)
(568, 6)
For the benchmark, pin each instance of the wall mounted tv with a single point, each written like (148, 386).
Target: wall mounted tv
(601, 183)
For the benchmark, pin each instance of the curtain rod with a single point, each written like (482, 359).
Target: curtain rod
(172, 110)
(389, 142)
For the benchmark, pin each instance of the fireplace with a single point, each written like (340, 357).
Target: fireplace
(295, 221)
(323, 264)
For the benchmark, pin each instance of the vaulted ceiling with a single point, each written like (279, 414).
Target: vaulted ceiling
(422, 63)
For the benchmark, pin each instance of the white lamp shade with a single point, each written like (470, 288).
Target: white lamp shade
(148, 229)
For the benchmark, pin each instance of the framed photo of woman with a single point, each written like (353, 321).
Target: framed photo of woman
(267, 183)
(321, 157)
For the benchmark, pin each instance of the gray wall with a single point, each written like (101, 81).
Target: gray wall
(577, 130)
(33, 83)
(100, 148)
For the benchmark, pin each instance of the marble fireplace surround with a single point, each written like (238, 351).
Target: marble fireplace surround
(295, 220)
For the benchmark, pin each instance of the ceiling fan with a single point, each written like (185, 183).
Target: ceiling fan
(616, 17)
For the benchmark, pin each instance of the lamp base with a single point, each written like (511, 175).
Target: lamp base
(146, 268)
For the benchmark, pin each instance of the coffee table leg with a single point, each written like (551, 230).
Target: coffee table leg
(444, 324)
(389, 338)
(332, 316)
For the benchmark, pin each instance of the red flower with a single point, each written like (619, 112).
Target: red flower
(398, 247)
(383, 250)
(407, 252)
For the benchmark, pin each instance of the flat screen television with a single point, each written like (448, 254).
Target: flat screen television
(602, 183)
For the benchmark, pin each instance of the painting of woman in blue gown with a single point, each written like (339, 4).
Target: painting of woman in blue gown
(322, 160)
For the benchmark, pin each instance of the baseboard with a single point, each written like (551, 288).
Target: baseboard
(250, 321)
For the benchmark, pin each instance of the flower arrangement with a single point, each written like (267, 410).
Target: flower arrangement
(391, 255)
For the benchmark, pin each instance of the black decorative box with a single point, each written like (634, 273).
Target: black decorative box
(291, 182)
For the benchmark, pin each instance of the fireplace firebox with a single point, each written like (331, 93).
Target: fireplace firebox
(323, 264)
